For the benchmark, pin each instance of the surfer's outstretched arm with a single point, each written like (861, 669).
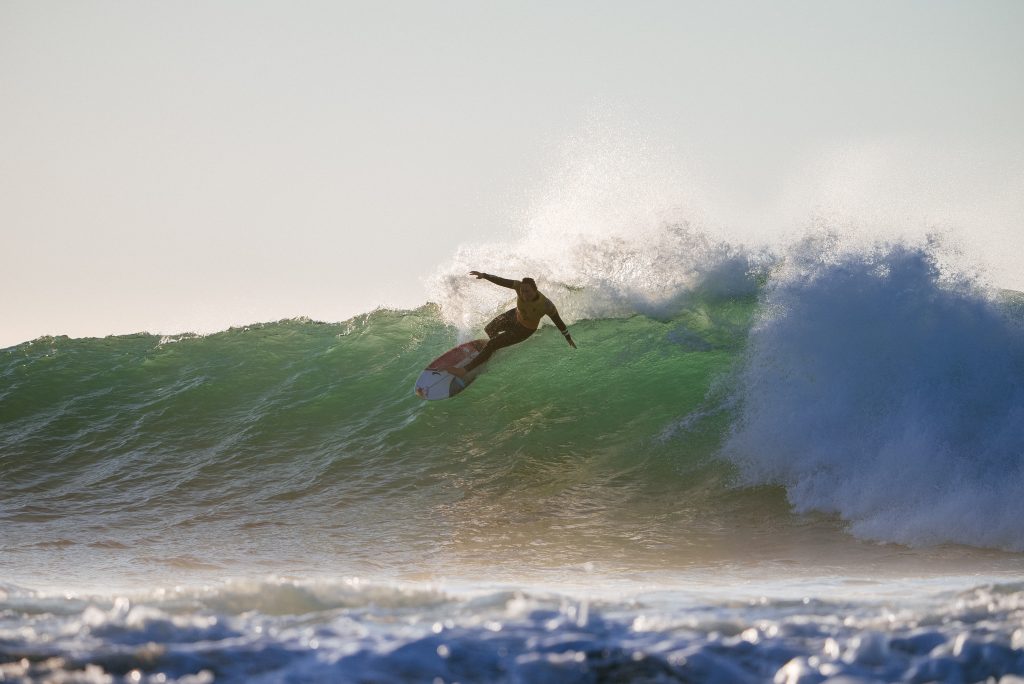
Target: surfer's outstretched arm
(504, 282)
(562, 328)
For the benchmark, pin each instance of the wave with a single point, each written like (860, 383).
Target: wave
(874, 386)
(879, 387)
(308, 435)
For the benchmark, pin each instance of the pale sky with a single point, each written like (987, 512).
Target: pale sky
(185, 166)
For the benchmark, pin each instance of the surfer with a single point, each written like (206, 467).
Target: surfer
(515, 325)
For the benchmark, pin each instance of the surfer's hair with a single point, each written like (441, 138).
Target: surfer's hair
(531, 282)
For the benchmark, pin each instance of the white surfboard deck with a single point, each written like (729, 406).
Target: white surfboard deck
(434, 383)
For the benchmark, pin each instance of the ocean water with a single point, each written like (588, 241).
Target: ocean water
(793, 466)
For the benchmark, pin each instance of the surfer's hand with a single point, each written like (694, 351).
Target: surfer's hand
(478, 274)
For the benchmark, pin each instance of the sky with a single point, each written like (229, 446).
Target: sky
(186, 166)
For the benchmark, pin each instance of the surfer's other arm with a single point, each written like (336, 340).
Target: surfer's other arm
(562, 328)
(504, 282)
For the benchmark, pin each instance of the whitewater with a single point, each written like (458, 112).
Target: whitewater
(790, 464)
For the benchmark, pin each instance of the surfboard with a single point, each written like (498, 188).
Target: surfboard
(434, 383)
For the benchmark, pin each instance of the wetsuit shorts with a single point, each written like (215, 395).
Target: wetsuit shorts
(503, 331)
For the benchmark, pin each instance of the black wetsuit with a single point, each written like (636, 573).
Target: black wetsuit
(503, 331)
(506, 330)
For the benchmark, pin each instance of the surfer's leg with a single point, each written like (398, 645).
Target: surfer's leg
(503, 331)
(506, 339)
(501, 323)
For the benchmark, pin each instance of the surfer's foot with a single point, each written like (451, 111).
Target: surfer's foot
(457, 372)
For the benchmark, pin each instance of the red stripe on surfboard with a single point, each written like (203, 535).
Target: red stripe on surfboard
(455, 356)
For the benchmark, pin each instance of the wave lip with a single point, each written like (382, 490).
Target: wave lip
(879, 388)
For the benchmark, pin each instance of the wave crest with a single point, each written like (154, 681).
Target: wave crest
(879, 387)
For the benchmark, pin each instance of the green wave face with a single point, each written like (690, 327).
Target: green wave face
(843, 400)
(308, 436)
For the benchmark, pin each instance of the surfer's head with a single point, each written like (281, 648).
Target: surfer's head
(529, 288)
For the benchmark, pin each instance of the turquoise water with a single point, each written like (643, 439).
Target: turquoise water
(840, 436)
(310, 432)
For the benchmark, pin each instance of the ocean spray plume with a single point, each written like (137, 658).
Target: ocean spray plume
(618, 228)
(608, 277)
(882, 389)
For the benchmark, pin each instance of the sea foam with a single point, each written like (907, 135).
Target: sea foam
(282, 631)
(890, 390)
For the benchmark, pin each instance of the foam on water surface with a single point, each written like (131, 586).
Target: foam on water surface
(354, 631)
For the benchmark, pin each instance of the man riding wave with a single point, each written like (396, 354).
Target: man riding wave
(515, 325)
